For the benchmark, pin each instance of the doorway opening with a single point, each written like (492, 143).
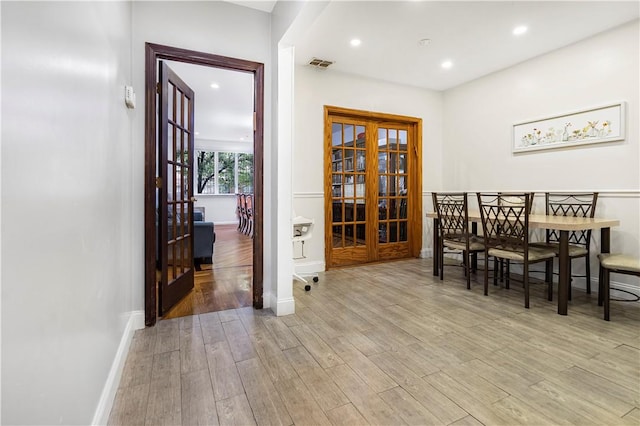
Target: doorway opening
(154, 54)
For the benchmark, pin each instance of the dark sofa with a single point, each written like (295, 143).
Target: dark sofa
(204, 238)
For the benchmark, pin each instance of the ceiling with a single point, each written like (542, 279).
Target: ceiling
(223, 114)
(263, 5)
(475, 36)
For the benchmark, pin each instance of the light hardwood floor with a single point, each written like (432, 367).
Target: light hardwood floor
(389, 344)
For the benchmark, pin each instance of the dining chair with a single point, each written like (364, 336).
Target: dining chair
(505, 223)
(575, 205)
(239, 210)
(513, 200)
(243, 212)
(453, 229)
(249, 215)
(619, 264)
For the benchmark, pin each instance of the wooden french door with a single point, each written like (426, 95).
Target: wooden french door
(372, 187)
(153, 53)
(175, 177)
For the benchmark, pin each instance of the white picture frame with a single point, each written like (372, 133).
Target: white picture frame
(588, 126)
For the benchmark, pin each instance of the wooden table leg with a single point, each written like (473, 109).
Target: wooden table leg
(605, 240)
(474, 256)
(436, 245)
(605, 247)
(564, 279)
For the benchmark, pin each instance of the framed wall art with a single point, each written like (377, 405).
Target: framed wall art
(588, 126)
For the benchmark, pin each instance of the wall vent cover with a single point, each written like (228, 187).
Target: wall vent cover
(320, 63)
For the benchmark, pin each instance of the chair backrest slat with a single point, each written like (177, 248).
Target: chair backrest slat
(505, 219)
(575, 205)
(453, 216)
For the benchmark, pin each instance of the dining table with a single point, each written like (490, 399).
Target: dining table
(564, 225)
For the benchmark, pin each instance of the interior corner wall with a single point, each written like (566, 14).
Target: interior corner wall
(478, 120)
(316, 88)
(289, 20)
(216, 27)
(67, 235)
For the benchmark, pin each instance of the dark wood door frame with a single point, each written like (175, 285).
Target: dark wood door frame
(154, 52)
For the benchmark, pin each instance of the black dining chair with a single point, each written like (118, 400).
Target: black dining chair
(575, 205)
(513, 200)
(453, 229)
(505, 223)
(616, 263)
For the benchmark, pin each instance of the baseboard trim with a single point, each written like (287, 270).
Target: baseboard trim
(426, 253)
(283, 307)
(614, 285)
(105, 403)
(226, 222)
(580, 282)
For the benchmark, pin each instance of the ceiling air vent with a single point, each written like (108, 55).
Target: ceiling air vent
(320, 63)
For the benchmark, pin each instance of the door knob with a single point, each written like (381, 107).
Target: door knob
(194, 199)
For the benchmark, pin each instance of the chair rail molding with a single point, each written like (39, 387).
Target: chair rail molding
(308, 194)
(539, 193)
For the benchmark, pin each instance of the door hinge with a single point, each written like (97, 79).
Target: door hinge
(158, 182)
(255, 119)
(158, 88)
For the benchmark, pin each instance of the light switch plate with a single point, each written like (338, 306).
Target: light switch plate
(129, 97)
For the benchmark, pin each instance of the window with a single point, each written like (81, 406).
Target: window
(224, 172)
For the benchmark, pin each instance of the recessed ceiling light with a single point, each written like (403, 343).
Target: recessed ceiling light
(215, 86)
(355, 42)
(424, 42)
(446, 64)
(519, 30)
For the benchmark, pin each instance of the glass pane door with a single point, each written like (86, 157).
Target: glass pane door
(348, 190)
(392, 185)
(372, 189)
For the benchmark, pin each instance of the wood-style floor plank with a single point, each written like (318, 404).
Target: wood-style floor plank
(130, 405)
(389, 344)
(363, 397)
(302, 407)
(410, 410)
(265, 401)
(235, 411)
(192, 352)
(323, 389)
(198, 404)
(164, 404)
(346, 415)
(318, 348)
(225, 379)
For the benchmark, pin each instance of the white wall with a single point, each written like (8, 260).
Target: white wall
(478, 119)
(289, 20)
(67, 196)
(316, 88)
(219, 209)
(213, 27)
